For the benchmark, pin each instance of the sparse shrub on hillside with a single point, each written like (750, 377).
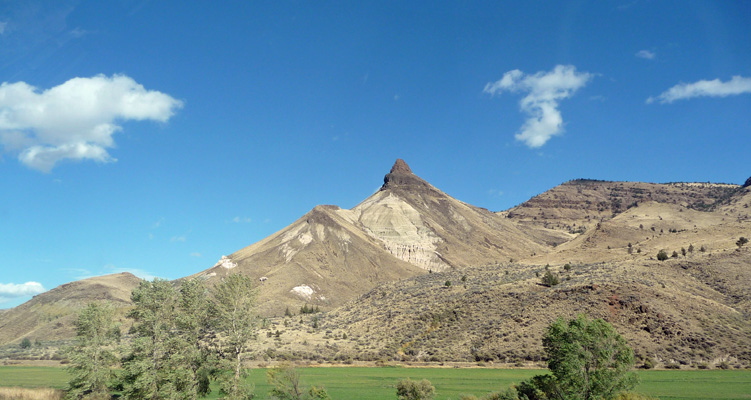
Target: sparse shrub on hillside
(567, 267)
(309, 310)
(662, 255)
(648, 363)
(447, 284)
(25, 343)
(702, 249)
(550, 279)
(690, 248)
(675, 254)
(742, 241)
(683, 252)
(408, 389)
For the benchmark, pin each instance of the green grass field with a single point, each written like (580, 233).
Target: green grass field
(378, 383)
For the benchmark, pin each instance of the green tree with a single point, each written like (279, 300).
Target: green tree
(236, 322)
(741, 241)
(148, 371)
(286, 385)
(550, 279)
(408, 389)
(662, 255)
(587, 359)
(93, 356)
(25, 343)
(191, 363)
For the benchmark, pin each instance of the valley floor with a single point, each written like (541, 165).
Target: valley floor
(378, 383)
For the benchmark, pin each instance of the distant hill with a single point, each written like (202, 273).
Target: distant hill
(50, 315)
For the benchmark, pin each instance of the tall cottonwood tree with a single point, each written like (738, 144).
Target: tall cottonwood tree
(192, 322)
(169, 357)
(587, 359)
(235, 321)
(147, 369)
(93, 356)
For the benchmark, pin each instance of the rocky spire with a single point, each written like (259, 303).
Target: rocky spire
(400, 166)
(401, 176)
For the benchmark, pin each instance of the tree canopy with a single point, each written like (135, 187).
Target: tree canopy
(587, 359)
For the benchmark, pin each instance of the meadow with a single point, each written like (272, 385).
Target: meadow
(378, 383)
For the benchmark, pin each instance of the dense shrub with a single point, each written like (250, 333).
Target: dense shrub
(408, 389)
(550, 279)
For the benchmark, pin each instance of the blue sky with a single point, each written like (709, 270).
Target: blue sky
(155, 137)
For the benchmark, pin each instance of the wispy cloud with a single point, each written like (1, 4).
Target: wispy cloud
(545, 90)
(2, 27)
(195, 254)
(714, 88)
(10, 291)
(75, 120)
(181, 238)
(646, 54)
(239, 220)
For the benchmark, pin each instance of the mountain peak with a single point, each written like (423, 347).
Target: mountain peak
(400, 166)
(402, 176)
(747, 184)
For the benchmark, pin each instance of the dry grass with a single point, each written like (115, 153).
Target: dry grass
(14, 393)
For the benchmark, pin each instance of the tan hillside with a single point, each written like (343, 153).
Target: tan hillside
(332, 255)
(688, 311)
(50, 315)
(577, 206)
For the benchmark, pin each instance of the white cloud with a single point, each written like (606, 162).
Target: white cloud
(178, 239)
(13, 290)
(75, 120)
(2, 27)
(238, 220)
(646, 54)
(545, 90)
(714, 88)
(195, 254)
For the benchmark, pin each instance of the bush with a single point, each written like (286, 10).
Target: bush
(550, 279)
(648, 363)
(25, 343)
(662, 255)
(408, 389)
